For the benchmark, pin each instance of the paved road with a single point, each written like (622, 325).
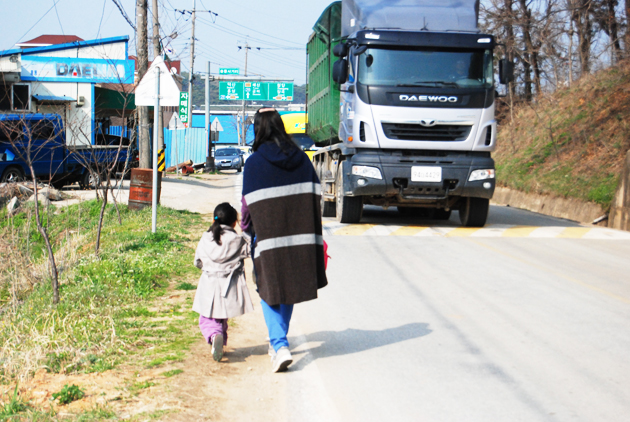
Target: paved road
(524, 320)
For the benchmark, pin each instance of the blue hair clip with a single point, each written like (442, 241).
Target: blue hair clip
(216, 218)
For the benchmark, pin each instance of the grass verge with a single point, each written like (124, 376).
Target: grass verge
(112, 310)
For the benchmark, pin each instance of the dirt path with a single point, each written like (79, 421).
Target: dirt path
(239, 388)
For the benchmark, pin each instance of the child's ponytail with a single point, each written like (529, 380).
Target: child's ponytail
(224, 214)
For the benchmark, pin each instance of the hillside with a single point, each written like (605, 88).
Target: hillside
(571, 143)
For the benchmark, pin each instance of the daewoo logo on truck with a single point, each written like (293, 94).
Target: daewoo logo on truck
(428, 98)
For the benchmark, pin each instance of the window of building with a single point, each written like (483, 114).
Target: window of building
(21, 97)
(5, 97)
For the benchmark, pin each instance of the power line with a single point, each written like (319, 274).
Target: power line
(240, 34)
(59, 20)
(122, 11)
(43, 16)
(100, 22)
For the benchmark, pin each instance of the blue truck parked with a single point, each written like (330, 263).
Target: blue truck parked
(43, 138)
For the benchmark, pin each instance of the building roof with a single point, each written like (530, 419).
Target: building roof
(46, 40)
(64, 46)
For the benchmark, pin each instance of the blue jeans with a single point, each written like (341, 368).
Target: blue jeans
(277, 318)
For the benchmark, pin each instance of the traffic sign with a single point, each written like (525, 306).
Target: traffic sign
(183, 107)
(230, 90)
(255, 91)
(259, 91)
(280, 91)
(229, 71)
(216, 125)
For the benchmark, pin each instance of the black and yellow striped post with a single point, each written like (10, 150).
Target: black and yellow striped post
(161, 159)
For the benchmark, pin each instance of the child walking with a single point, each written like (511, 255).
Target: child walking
(222, 290)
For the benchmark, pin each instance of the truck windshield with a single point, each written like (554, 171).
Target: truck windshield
(426, 68)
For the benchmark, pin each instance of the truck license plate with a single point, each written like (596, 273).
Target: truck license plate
(426, 174)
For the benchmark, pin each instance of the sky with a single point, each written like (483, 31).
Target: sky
(276, 30)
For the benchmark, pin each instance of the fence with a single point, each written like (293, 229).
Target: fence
(179, 146)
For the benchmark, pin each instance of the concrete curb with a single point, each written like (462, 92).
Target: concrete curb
(620, 209)
(568, 208)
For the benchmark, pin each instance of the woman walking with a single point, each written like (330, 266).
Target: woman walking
(281, 202)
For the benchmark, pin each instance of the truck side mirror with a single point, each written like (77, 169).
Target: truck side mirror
(340, 50)
(506, 71)
(340, 71)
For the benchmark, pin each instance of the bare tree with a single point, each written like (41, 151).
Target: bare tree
(580, 13)
(103, 161)
(604, 15)
(33, 143)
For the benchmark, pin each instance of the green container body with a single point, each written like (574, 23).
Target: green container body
(322, 92)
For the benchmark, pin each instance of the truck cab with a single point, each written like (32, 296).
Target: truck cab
(416, 119)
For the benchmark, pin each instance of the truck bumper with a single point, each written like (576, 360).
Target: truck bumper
(395, 167)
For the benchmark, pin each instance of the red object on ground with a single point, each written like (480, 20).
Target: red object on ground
(187, 170)
(141, 188)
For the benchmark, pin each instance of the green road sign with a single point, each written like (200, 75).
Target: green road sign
(230, 90)
(280, 91)
(229, 71)
(258, 91)
(255, 91)
(183, 107)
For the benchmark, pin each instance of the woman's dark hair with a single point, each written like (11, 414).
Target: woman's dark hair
(223, 214)
(269, 127)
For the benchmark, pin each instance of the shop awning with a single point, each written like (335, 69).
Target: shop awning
(53, 99)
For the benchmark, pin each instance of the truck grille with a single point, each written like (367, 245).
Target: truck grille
(416, 132)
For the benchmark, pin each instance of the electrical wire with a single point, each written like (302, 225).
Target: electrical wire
(43, 16)
(59, 20)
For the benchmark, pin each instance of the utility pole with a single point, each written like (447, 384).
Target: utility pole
(209, 140)
(244, 119)
(157, 51)
(144, 147)
(192, 65)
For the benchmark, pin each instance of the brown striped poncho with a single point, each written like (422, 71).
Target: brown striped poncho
(282, 193)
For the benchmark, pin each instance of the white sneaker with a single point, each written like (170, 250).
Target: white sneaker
(217, 347)
(270, 351)
(282, 359)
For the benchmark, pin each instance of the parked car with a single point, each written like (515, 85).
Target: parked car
(228, 159)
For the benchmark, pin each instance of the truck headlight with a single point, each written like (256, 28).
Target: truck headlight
(366, 171)
(481, 175)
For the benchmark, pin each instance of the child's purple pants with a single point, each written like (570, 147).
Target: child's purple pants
(210, 326)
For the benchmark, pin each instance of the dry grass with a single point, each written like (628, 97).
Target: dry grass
(572, 143)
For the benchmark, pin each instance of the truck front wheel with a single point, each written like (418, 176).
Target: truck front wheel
(349, 208)
(89, 180)
(13, 174)
(473, 212)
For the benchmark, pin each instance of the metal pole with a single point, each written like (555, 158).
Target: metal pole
(154, 186)
(207, 110)
(157, 50)
(242, 141)
(190, 80)
(192, 65)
